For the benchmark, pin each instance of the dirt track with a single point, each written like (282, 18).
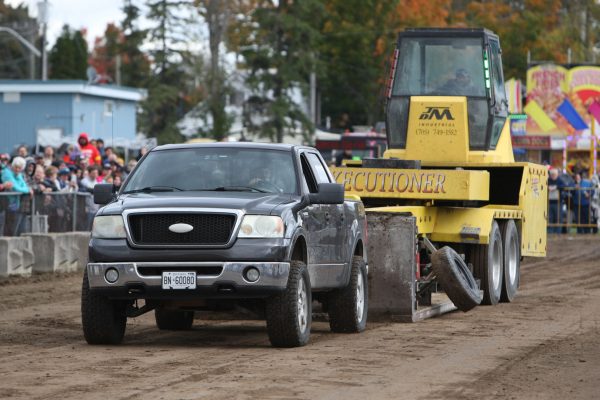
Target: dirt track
(545, 345)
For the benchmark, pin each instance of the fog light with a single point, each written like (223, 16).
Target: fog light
(252, 274)
(111, 275)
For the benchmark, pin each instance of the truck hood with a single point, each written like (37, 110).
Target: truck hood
(250, 203)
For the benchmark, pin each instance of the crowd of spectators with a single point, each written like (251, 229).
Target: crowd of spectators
(36, 183)
(573, 199)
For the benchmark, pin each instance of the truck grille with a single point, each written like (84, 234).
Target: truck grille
(209, 229)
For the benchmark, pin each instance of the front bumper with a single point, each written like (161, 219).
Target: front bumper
(213, 279)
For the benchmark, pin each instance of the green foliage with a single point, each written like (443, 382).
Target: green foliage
(14, 57)
(135, 69)
(161, 112)
(356, 45)
(68, 57)
(168, 32)
(169, 86)
(280, 54)
(217, 15)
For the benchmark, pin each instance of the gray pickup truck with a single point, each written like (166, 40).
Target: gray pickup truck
(225, 225)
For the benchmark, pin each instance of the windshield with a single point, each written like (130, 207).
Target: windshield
(215, 168)
(440, 67)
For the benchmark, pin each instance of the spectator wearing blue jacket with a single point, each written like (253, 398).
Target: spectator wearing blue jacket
(14, 175)
(581, 203)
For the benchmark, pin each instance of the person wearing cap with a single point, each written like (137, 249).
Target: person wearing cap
(39, 160)
(89, 151)
(461, 84)
(106, 171)
(68, 180)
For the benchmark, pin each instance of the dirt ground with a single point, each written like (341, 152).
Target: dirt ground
(544, 345)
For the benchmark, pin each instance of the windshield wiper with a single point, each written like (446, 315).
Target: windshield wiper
(149, 189)
(234, 189)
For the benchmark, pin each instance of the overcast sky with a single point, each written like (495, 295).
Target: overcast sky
(90, 14)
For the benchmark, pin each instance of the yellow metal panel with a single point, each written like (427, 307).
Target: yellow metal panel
(435, 139)
(463, 225)
(533, 200)
(414, 183)
(473, 225)
(351, 197)
(438, 129)
(449, 224)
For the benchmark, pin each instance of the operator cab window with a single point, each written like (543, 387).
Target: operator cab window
(439, 66)
(501, 104)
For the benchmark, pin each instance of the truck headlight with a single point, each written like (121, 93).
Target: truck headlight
(108, 227)
(261, 226)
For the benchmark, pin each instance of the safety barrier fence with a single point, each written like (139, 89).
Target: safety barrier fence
(573, 209)
(45, 212)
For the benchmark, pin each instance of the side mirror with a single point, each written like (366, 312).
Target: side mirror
(328, 193)
(103, 193)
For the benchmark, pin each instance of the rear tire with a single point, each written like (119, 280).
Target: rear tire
(456, 279)
(488, 263)
(103, 320)
(289, 314)
(512, 260)
(348, 306)
(173, 320)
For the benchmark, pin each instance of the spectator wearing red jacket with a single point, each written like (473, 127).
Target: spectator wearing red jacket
(88, 150)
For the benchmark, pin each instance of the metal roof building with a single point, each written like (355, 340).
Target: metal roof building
(45, 112)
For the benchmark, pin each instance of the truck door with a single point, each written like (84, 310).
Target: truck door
(314, 222)
(334, 234)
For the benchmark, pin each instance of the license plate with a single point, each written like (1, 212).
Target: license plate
(179, 280)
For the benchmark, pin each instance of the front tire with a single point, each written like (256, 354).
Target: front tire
(512, 261)
(103, 320)
(348, 306)
(289, 314)
(173, 320)
(487, 262)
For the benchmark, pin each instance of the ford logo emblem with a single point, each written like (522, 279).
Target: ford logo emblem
(181, 228)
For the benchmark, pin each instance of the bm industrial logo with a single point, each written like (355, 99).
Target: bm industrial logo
(438, 113)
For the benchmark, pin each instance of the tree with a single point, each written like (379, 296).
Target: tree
(217, 14)
(135, 69)
(169, 88)
(358, 40)
(167, 34)
(280, 55)
(16, 61)
(69, 55)
(105, 53)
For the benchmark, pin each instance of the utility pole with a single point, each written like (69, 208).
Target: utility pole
(313, 97)
(118, 70)
(43, 20)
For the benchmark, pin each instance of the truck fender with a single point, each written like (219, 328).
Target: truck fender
(298, 234)
(358, 239)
